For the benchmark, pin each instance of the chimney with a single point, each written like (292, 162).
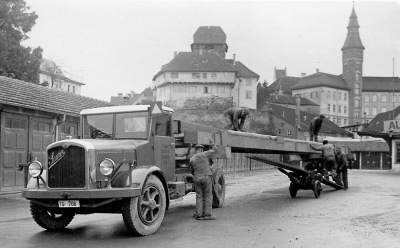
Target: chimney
(303, 74)
(175, 53)
(234, 59)
(119, 94)
(317, 70)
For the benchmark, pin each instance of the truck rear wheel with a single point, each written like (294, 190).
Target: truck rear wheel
(143, 215)
(218, 188)
(293, 189)
(48, 219)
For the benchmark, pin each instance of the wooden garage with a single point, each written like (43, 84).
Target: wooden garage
(32, 117)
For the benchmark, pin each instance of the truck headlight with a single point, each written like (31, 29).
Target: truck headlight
(107, 167)
(35, 169)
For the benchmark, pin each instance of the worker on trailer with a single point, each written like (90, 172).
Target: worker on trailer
(200, 167)
(315, 126)
(235, 117)
(341, 161)
(328, 157)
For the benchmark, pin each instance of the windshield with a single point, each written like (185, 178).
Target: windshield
(127, 126)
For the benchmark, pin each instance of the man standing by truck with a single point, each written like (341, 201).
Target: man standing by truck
(200, 167)
(341, 160)
(328, 157)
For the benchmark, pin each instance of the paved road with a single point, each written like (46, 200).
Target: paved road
(258, 212)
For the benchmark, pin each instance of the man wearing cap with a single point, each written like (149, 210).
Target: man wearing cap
(315, 126)
(235, 117)
(200, 167)
(328, 157)
(341, 160)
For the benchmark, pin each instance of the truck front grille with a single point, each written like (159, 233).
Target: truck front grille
(66, 167)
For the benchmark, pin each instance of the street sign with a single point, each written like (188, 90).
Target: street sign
(156, 108)
(391, 126)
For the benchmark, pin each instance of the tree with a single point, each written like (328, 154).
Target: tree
(17, 61)
(262, 94)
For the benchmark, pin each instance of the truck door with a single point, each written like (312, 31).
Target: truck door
(164, 146)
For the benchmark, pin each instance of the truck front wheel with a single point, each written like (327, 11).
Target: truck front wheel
(49, 219)
(143, 215)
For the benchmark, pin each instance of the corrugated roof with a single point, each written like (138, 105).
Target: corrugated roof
(209, 35)
(290, 117)
(288, 99)
(375, 127)
(33, 96)
(197, 62)
(374, 84)
(321, 79)
(243, 71)
(284, 84)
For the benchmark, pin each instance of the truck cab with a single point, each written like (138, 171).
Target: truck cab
(124, 162)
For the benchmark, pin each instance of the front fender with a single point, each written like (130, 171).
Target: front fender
(139, 178)
(33, 182)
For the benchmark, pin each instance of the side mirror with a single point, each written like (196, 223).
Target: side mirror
(176, 127)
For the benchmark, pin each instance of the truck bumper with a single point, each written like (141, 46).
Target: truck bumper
(80, 194)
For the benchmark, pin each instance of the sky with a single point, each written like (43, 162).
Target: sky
(117, 46)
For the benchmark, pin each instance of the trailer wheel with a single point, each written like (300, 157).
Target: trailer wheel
(293, 189)
(218, 188)
(49, 219)
(317, 188)
(143, 215)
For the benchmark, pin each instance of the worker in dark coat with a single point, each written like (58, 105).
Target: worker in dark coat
(200, 167)
(315, 126)
(341, 161)
(235, 117)
(328, 158)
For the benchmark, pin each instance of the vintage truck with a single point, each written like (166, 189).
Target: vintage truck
(131, 160)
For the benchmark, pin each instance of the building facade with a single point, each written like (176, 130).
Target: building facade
(205, 73)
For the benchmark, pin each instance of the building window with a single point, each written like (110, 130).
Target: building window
(345, 121)
(196, 75)
(357, 114)
(334, 120)
(366, 98)
(374, 98)
(339, 110)
(192, 89)
(345, 96)
(221, 89)
(339, 121)
(357, 103)
(329, 108)
(248, 82)
(328, 94)
(248, 94)
(384, 98)
(357, 89)
(373, 111)
(204, 75)
(314, 94)
(73, 89)
(358, 76)
(174, 75)
(344, 109)
(279, 132)
(384, 109)
(207, 90)
(394, 98)
(213, 75)
(180, 89)
(289, 132)
(398, 152)
(334, 95)
(340, 96)
(358, 65)
(69, 86)
(334, 108)
(366, 111)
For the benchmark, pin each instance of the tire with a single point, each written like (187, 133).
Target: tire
(143, 215)
(293, 189)
(49, 220)
(317, 188)
(218, 189)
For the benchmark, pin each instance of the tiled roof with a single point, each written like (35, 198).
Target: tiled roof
(284, 83)
(376, 84)
(290, 117)
(288, 99)
(321, 79)
(197, 62)
(375, 127)
(243, 71)
(209, 35)
(33, 96)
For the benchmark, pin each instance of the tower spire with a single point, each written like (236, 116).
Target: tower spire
(353, 39)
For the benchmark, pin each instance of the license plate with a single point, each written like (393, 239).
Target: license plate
(69, 204)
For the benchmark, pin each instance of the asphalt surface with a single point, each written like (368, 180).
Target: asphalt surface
(258, 212)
